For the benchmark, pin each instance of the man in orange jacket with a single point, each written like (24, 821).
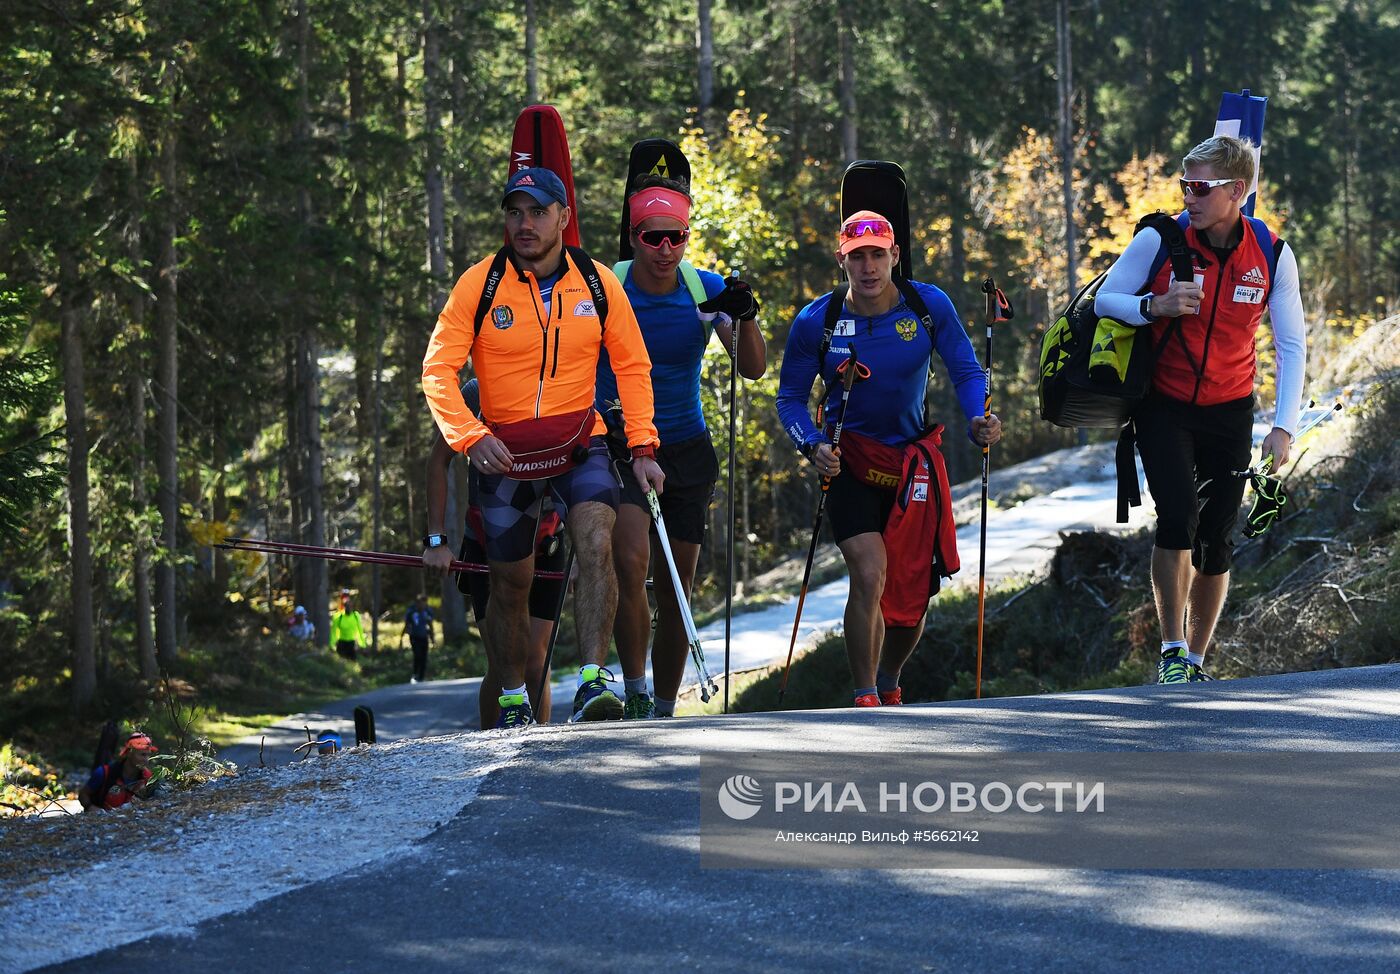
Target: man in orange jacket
(532, 320)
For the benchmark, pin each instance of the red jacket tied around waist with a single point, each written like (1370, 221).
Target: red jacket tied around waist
(921, 541)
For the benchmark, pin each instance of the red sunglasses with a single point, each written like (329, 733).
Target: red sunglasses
(655, 238)
(878, 228)
(1202, 187)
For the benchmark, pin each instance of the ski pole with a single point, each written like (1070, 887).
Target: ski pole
(998, 309)
(729, 491)
(848, 379)
(355, 554)
(707, 683)
(554, 630)
(1265, 463)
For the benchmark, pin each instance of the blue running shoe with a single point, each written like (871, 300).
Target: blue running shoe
(1197, 675)
(1174, 667)
(515, 712)
(594, 699)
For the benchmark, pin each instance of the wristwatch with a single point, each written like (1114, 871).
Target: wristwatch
(1145, 308)
(434, 540)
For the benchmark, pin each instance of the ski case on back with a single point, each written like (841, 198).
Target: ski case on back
(649, 157)
(540, 140)
(879, 185)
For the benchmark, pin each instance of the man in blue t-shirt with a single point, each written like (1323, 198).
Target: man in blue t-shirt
(883, 414)
(418, 624)
(676, 328)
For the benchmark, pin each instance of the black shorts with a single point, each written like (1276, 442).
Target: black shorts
(1182, 447)
(853, 507)
(544, 592)
(691, 469)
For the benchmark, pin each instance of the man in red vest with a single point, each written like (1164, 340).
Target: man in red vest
(1195, 429)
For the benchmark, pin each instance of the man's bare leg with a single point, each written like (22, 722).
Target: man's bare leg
(1203, 606)
(508, 620)
(590, 526)
(631, 553)
(671, 644)
(1171, 585)
(865, 561)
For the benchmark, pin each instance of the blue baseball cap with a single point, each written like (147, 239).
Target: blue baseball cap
(540, 183)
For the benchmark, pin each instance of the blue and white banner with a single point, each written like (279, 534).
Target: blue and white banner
(1242, 115)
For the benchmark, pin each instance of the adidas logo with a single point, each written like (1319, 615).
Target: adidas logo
(525, 181)
(1254, 276)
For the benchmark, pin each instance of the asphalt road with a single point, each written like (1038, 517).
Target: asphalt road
(583, 854)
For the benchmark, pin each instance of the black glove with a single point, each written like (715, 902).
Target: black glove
(736, 300)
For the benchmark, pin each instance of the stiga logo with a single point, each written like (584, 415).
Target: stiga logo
(740, 797)
(502, 317)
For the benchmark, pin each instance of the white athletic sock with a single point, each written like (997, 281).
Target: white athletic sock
(1196, 658)
(1170, 644)
(524, 694)
(664, 708)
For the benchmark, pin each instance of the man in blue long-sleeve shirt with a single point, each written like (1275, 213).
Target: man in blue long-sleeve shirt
(884, 414)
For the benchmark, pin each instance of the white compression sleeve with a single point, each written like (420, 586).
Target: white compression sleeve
(1290, 340)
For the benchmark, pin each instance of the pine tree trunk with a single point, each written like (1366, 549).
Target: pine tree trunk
(532, 66)
(846, 45)
(80, 625)
(454, 616)
(136, 400)
(308, 380)
(359, 221)
(167, 399)
(461, 120)
(1066, 140)
(705, 42)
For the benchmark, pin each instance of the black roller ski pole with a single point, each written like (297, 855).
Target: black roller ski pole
(848, 379)
(998, 309)
(554, 630)
(729, 491)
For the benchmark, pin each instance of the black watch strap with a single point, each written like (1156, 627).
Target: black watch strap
(434, 540)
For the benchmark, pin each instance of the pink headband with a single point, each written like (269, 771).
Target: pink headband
(658, 201)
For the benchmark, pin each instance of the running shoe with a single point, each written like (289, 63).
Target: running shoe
(515, 716)
(868, 700)
(895, 698)
(1174, 667)
(594, 699)
(1197, 675)
(638, 706)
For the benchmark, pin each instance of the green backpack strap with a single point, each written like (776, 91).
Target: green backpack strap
(693, 284)
(690, 277)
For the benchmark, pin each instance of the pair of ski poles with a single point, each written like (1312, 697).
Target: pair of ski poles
(998, 310)
(1270, 496)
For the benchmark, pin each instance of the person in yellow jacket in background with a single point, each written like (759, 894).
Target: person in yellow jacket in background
(347, 631)
(532, 320)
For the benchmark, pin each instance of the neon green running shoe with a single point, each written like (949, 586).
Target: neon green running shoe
(638, 706)
(1198, 675)
(1173, 667)
(595, 699)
